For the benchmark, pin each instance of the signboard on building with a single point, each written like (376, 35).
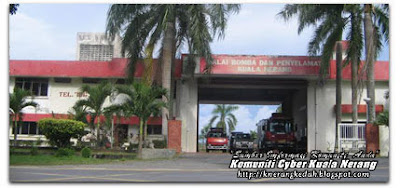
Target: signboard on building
(262, 65)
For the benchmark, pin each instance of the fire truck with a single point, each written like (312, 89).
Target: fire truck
(277, 132)
(216, 140)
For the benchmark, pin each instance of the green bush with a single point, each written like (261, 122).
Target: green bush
(64, 152)
(382, 118)
(159, 144)
(86, 152)
(131, 147)
(34, 150)
(60, 131)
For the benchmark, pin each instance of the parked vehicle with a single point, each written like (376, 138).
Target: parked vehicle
(231, 139)
(216, 140)
(277, 132)
(242, 141)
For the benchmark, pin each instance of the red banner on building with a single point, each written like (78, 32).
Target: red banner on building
(263, 65)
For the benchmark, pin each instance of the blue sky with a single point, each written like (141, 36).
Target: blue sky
(48, 32)
(247, 115)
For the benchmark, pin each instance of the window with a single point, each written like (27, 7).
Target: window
(38, 86)
(154, 129)
(62, 80)
(95, 52)
(120, 81)
(28, 128)
(91, 80)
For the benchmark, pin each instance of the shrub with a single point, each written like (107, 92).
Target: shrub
(383, 118)
(159, 143)
(64, 152)
(34, 150)
(131, 147)
(86, 152)
(60, 131)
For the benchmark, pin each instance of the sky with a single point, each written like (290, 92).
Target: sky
(247, 115)
(48, 32)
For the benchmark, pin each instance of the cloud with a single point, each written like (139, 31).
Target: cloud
(246, 119)
(31, 38)
(258, 30)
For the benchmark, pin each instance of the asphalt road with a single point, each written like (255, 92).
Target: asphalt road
(194, 167)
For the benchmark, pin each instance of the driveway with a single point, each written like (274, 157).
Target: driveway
(188, 167)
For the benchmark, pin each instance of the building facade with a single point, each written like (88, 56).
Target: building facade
(235, 79)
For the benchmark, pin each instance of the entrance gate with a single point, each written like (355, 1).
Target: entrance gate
(351, 137)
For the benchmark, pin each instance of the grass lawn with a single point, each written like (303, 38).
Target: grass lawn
(52, 160)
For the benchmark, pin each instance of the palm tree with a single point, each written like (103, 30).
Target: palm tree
(330, 25)
(80, 113)
(94, 103)
(17, 103)
(13, 8)
(224, 114)
(143, 26)
(141, 100)
(376, 23)
(331, 21)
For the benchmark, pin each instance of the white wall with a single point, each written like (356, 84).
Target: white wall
(299, 110)
(323, 135)
(188, 108)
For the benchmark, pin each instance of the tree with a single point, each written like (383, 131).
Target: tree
(253, 134)
(226, 119)
(17, 103)
(60, 131)
(80, 113)
(373, 32)
(329, 28)
(143, 26)
(13, 8)
(331, 21)
(141, 100)
(94, 103)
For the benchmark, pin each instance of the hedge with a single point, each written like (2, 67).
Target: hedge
(60, 131)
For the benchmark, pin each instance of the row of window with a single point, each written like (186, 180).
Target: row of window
(40, 86)
(28, 128)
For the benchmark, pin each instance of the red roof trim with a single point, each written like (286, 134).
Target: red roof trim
(381, 71)
(90, 69)
(362, 108)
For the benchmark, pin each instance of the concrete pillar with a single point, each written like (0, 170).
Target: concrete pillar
(312, 109)
(384, 140)
(188, 111)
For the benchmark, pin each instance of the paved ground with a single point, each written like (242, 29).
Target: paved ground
(199, 167)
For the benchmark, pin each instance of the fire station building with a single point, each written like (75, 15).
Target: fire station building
(235, 79)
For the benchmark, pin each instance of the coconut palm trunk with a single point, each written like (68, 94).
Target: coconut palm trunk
(338, 91)
(354, 77)
(370, 59)
(98, 131)
(145, 134)
(140, 144)
(167, 55)
(15, 130)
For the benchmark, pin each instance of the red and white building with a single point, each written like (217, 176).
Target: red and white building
(235, 79)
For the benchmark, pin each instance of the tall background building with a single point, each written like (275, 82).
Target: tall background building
(96, 47)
